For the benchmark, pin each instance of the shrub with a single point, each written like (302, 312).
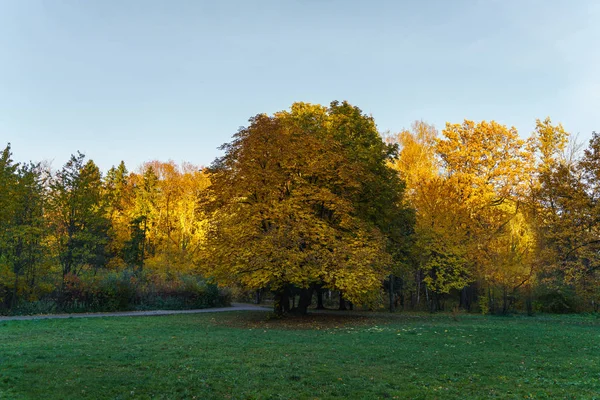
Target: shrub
(556, 301)
(46, 306)
(183, 292)
(127, 290)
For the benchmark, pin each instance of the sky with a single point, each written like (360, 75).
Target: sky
(141, 80)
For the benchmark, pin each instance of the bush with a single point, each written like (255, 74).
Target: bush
(556, 301)
(116, 292)
(185, 292)
(46, 306)
(127, 290)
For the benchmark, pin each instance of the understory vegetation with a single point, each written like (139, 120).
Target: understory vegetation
(121, 291)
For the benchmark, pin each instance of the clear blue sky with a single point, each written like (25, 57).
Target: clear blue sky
(137, 80)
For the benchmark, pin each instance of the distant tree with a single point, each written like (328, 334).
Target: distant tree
(118, 198)
(22, 250)
(567, 214)
(8, 209)
(78, 214)
(143, 217)
(166, 226)
(465, 187)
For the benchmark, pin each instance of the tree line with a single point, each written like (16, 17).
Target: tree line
(315, 198)
(501, 220)
(76, 240)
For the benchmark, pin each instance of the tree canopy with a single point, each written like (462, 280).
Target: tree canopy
(307, 198)
(314, 198)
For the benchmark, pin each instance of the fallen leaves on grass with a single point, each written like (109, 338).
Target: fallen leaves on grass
(312, 321)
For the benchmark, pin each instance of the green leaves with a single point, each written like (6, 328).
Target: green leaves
(78, 215)
(22, 200)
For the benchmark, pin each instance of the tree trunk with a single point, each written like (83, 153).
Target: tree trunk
(13, 300)
(320, 305)
(463, 299)
(418, 300)
(400, 297)
(143, 245)
(529, 305)
(342, 302)
(491, 305)
(466, 297)
(257, 296)
(281, 304)
(391, 290)
(305, 301)
(285, 300)
(435, 303)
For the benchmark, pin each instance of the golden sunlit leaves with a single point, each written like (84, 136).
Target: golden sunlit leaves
(465, 187)
(163, 198)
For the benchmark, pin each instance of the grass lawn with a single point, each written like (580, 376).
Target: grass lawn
(243, 356)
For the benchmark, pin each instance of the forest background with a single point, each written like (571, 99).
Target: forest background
(314, 201)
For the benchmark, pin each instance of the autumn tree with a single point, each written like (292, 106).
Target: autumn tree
(26, 235)
(8, 180)
(587, 272)
(488, 163)
(465, 187)
(304, 198)
(142, 218)
(118, 199)
(418, 165)
(22, 250)
(78, 215)
(566, 203)
(166, 226)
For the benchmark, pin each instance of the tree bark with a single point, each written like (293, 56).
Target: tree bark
(277, 306)
(491, 305)
(320, 305)
(13, 300)
(342, 302)
(281, 304)
(466, 297)
(285, 300)
(305, 301)
(391, 290)
(529, 305)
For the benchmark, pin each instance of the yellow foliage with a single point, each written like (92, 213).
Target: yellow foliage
(282, 209)
(464, 187)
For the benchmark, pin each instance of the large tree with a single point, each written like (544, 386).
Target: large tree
(305, 198)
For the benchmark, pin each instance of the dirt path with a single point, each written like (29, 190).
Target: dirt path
(234, 307)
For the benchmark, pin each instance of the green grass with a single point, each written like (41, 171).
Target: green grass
(240, 356)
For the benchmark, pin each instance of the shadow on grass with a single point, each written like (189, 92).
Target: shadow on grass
(319, 319)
